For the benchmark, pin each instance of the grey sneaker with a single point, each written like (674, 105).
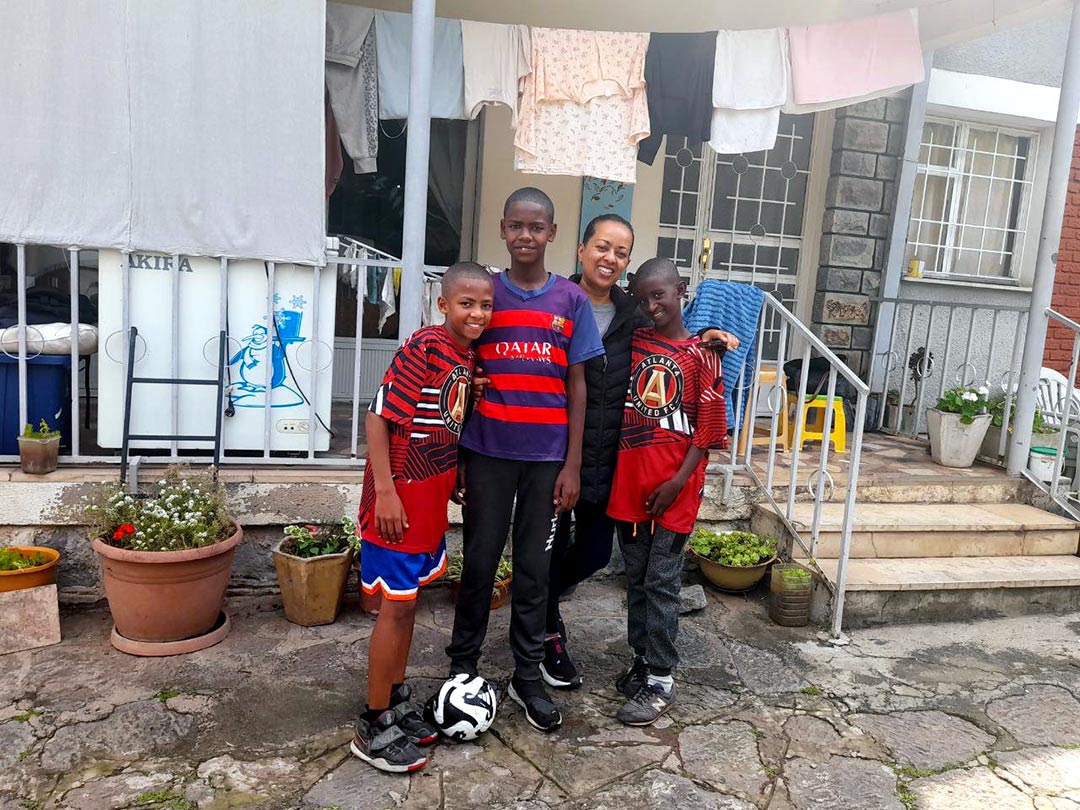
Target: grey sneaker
(384, 745)
(645, 707)
(411, 717)
(634, 678)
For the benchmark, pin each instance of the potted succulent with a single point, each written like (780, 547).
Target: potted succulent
(790, 588)
(27, 567)
(166, 556)
(732, 561)
(38, 449)
(500, 592)
(312, 564)
(957, 425)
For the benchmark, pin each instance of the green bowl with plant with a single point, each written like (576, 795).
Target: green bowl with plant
(732, 561)
(27, 567)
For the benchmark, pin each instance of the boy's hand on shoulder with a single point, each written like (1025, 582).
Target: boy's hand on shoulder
(662, 497)
(390, 518)
(479, 384)
(721, 338)
(567, 489)
(458, 495)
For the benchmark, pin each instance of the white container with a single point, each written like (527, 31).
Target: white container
(1041, 461)
(952, 443)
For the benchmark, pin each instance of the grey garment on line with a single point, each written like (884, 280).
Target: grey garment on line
(393, 37)
(654, 564)
(604, 314)
(353, 82)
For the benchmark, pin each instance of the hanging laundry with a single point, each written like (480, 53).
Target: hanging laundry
(840, 63)
(583, 108)
(750, 83)
(393, 36)
(352, 81)
(387, 298)
(496, 58)
(334, 163)
(679, 79)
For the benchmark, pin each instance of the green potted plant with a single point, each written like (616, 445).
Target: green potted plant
(732, 561)
(500, 592)
(166, 555)
(790, 589)
(312, 563)
(38, 449)
(27, 567)
(1043, 435)
(957, 425)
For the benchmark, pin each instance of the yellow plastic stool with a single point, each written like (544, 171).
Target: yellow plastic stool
(813, 421)
(767, 385)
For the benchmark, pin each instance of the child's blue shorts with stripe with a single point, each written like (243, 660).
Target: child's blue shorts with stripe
(398, 575)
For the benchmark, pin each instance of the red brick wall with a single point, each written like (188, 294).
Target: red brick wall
(1059, 340)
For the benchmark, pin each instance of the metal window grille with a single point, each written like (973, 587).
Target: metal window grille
(971, 200)
(739, 217)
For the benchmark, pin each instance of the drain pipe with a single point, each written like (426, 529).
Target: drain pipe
(417, 148)
(1049, 237)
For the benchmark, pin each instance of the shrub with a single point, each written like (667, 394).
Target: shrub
(12, 560)
(43, 431)
(311, 540)
(968, 402)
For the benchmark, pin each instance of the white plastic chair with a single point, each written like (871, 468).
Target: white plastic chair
(1054, 397)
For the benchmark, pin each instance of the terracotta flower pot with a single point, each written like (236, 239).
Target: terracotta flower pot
(38, 456)
(499, 596)
(311, 587)
(30, 577)
(735, 578)
(161, 596)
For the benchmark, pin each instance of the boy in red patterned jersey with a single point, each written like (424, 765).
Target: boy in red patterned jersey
(674, 414)
(413, 426)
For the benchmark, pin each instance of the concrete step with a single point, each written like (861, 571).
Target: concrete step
(883, 591)
(913, 530)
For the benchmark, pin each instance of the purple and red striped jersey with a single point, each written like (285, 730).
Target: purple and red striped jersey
(532, 340)
(423, 397)
(675, 401)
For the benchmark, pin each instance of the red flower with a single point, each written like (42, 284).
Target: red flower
(123, 531)
(312, 528)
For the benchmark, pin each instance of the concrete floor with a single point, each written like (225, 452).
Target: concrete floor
(941, 717)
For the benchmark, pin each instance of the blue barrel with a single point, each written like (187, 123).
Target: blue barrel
(48, 385)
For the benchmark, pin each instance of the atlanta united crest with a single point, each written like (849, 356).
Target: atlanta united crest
(454, 397)
(656, 387)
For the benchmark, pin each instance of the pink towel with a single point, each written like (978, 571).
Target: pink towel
(851, 58)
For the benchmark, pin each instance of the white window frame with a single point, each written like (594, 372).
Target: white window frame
(952, 223)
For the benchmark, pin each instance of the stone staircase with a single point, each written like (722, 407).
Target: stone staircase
(968, 549)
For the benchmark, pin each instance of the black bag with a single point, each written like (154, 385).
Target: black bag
(817, 378)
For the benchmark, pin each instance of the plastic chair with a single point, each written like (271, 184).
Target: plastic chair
(767, 388)
(812, 417)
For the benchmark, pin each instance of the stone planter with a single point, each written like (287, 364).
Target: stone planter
(952, 443)
(988, 450)
(311, 587)
(38, 456)
(731, 577)
(159, 597)
(37, 576)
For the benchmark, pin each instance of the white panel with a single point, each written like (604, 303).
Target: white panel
(250, 348)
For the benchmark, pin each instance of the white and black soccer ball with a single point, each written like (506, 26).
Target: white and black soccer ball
(464, 707)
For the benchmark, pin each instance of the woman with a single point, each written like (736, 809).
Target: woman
(604, 254)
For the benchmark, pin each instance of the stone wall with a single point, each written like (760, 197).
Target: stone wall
(45, 513)
(868, 144)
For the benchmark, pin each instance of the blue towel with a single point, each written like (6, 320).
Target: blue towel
(735, 308)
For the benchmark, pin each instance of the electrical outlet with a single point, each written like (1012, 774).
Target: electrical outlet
(292, 425)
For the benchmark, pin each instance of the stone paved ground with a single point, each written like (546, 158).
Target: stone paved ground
(940, 717)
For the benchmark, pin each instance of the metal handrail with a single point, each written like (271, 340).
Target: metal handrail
(791, 332)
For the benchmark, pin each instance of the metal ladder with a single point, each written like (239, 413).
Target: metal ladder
(132, 380)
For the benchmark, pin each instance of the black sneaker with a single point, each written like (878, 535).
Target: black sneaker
(557, 669)
(384, 745)
(541, 713)
(412, 722)
(645, 707)
(634, 678)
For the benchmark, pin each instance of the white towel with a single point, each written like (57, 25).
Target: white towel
(750, 83)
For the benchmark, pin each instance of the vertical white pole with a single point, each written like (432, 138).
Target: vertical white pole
(416, 167)
(1042, 289)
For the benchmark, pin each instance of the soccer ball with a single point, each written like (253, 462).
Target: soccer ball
(464, 707)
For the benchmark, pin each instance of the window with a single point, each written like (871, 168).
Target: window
(969, 212)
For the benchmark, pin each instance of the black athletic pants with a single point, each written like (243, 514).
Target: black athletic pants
(492, 485)
(575, 562)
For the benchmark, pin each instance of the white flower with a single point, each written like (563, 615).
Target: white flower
(970, 396)
(983, 391)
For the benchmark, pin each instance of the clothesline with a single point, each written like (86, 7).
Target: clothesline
(596, 102)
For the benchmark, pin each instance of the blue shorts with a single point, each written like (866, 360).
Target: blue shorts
(398, 575)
